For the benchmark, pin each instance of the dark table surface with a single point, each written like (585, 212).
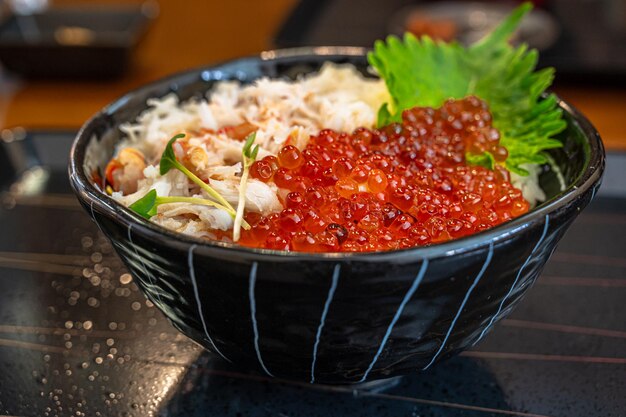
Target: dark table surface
(77, 338)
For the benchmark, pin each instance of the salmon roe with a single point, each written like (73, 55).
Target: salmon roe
(404, 185)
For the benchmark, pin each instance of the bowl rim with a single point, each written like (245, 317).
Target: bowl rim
(96, 199)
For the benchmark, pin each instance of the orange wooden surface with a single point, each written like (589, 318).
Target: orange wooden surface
(187, 33)
(606, 108)
(191, 33)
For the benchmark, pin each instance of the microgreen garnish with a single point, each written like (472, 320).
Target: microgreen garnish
(422, 72)
(147, 205)
(248, 154)
(169, 161)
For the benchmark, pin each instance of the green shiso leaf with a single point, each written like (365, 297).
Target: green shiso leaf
(484, 159)
(384, 115)
(423, 72)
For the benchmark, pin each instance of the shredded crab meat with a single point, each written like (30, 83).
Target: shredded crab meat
(280, 112)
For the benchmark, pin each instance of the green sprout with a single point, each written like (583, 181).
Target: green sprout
(248, 154)
(146, 206)
(169, 161)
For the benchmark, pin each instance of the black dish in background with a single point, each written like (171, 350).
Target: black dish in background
(336, 318)
(560, 352)
(583, 53)
(73, 42)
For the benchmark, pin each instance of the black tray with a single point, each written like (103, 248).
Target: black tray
(76, 336)
(73, 42)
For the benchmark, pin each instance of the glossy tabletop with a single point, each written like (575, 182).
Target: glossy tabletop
(78, 338)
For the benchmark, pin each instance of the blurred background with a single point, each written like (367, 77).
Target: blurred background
(175, 35)
(62, 60)
(77, 338)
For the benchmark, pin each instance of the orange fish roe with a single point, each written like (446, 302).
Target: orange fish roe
(404, 185)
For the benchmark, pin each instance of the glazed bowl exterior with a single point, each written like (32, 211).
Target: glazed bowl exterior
(330, 318)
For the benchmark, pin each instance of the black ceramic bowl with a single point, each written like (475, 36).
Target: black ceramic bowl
(333, 318)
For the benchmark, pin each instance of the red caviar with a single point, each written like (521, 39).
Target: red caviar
(404, 185)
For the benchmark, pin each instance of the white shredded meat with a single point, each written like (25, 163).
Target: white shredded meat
(337, 97)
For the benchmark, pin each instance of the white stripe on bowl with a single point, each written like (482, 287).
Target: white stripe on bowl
(253, 314)
(329, 299)
(407, 297)
(192, 275)
(143, 265)
(467, 296)
(519, 274)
